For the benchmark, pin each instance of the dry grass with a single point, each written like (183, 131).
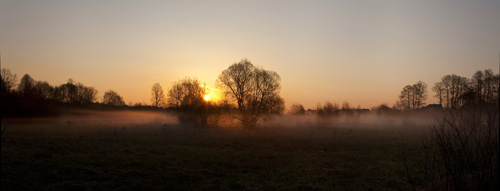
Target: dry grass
(76, 154)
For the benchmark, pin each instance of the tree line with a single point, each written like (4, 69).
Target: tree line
(249, 93)
(70, 92)
(454, 91)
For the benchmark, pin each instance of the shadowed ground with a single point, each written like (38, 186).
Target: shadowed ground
(40, 154)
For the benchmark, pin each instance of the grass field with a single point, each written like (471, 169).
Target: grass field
(153, 152)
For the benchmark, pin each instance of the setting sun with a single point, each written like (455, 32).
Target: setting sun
(207, 97)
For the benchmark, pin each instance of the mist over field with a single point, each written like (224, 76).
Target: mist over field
(61, 138)
(369, 120)
(92, 118)
(222, 95)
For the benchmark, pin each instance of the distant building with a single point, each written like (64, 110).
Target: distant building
(310, 111)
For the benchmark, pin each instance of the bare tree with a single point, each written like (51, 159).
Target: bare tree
(74, 93)
(439, 89)
(185, 92)
(112, 98)
(157, 95)
(458, 87)
(446, 81)
(478, 85)
(328, 110)
(44, 90)
(26, 86)
(255, 91)
(297, 109)
(175, 95)
(346, 106)
(419, 94)
(66, 93)
(186, 96)
(490, 84)
(85, 94)
(406, 97)
(454, 90)
(8, 81)
(413, 96)
(496, 89)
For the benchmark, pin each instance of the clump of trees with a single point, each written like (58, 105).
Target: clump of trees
(30, 96)
(413, 96)
(327, 110)
(254, 91)
(186, 97)
(383, 109)
(454, 91)
(297, 109)
(71, 92)
(112, 98)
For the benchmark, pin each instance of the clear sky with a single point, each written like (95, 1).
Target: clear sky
(363, 51)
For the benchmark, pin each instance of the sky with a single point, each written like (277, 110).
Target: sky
(363, 52)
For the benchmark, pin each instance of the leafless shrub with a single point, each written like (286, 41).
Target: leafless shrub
(461, 150)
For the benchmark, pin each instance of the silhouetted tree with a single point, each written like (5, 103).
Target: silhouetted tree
(175, 95)
(8, 98)
(477, 84)
(297, 109)
(484, 86)
(346, 106)
(112, 98)
(413, 96)
(489, 85)
(186, 96)
(26, 86)
(185, 93)
(383, 109)
(328, 110)
(255, 91)
(85, 94)
(8, 81)
(157, 95)
(67, 93)
(455, 87)
(75, 93)
(439, 88)
(419, 94)
(44, 90)
(406, 97)
(346, 109)
(496, 86)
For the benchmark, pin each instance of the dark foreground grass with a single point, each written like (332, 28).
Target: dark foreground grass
(70, 156)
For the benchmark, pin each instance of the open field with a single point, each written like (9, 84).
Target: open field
(134, 151)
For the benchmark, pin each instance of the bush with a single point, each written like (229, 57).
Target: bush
(461, 150)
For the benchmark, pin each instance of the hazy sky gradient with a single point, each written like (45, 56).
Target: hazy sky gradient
(363, 52)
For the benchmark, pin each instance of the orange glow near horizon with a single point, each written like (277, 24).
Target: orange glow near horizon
(336, 51)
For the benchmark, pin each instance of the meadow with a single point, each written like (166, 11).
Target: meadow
(128, 150)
